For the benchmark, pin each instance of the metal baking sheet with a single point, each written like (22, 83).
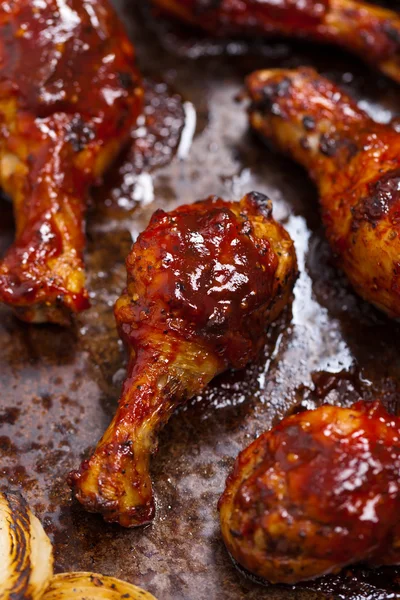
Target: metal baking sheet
(59, 387)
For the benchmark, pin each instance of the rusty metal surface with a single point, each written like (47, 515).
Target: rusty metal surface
(59, 387)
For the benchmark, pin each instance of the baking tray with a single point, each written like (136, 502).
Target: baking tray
(59, 387)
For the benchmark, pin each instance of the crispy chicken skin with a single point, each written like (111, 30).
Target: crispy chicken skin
(370, 31)
(204, 282)
(355, 163)
(316, 493)
(69, 94)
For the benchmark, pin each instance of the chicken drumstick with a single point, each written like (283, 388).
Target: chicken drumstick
(204, 282)
(69, 93)
(368, 30)
(355, 163)
(316, 493)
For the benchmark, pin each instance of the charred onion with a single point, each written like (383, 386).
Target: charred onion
(26, 554)
(90, 586)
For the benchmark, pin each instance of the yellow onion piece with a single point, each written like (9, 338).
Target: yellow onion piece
(26, 554)
(90, 586)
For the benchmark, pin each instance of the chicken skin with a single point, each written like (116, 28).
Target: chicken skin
(355, 163)
(370, 31)
(69, 94)
(316, 493)
(204, 282)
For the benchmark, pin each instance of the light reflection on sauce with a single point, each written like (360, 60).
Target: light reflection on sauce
(188, 130)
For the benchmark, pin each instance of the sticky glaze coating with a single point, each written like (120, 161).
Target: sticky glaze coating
(204, 282)
(355, 163)
(316, 493)
(370, 31)
(69, 94)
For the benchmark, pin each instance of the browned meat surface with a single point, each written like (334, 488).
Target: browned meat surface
(355, 163)
(316, 493)
(69, 94)
(204, 282)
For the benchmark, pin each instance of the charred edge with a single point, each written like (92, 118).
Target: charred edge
(111, 510)
(330, 146)
(74, 477)
(248, 574)
(58, 314)
(20, 544)
(262, 202)
(382, 195)
(135, 516)
(93, 502)
(270, 94)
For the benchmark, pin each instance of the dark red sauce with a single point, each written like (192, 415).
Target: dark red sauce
(212, 275)
(67, 70)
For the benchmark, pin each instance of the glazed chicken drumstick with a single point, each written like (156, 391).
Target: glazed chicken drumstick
(204, 282)
(355, 163)
(370, 31)
(316, 493)
(69, 94)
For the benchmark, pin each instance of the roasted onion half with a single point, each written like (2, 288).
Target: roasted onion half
(26, 554)
(26, 563)
(90, 586)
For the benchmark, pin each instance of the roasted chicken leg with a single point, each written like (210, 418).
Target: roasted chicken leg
(368, 30)
(204, 282)
(69, 94)
(355, 163)
(316, 493)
